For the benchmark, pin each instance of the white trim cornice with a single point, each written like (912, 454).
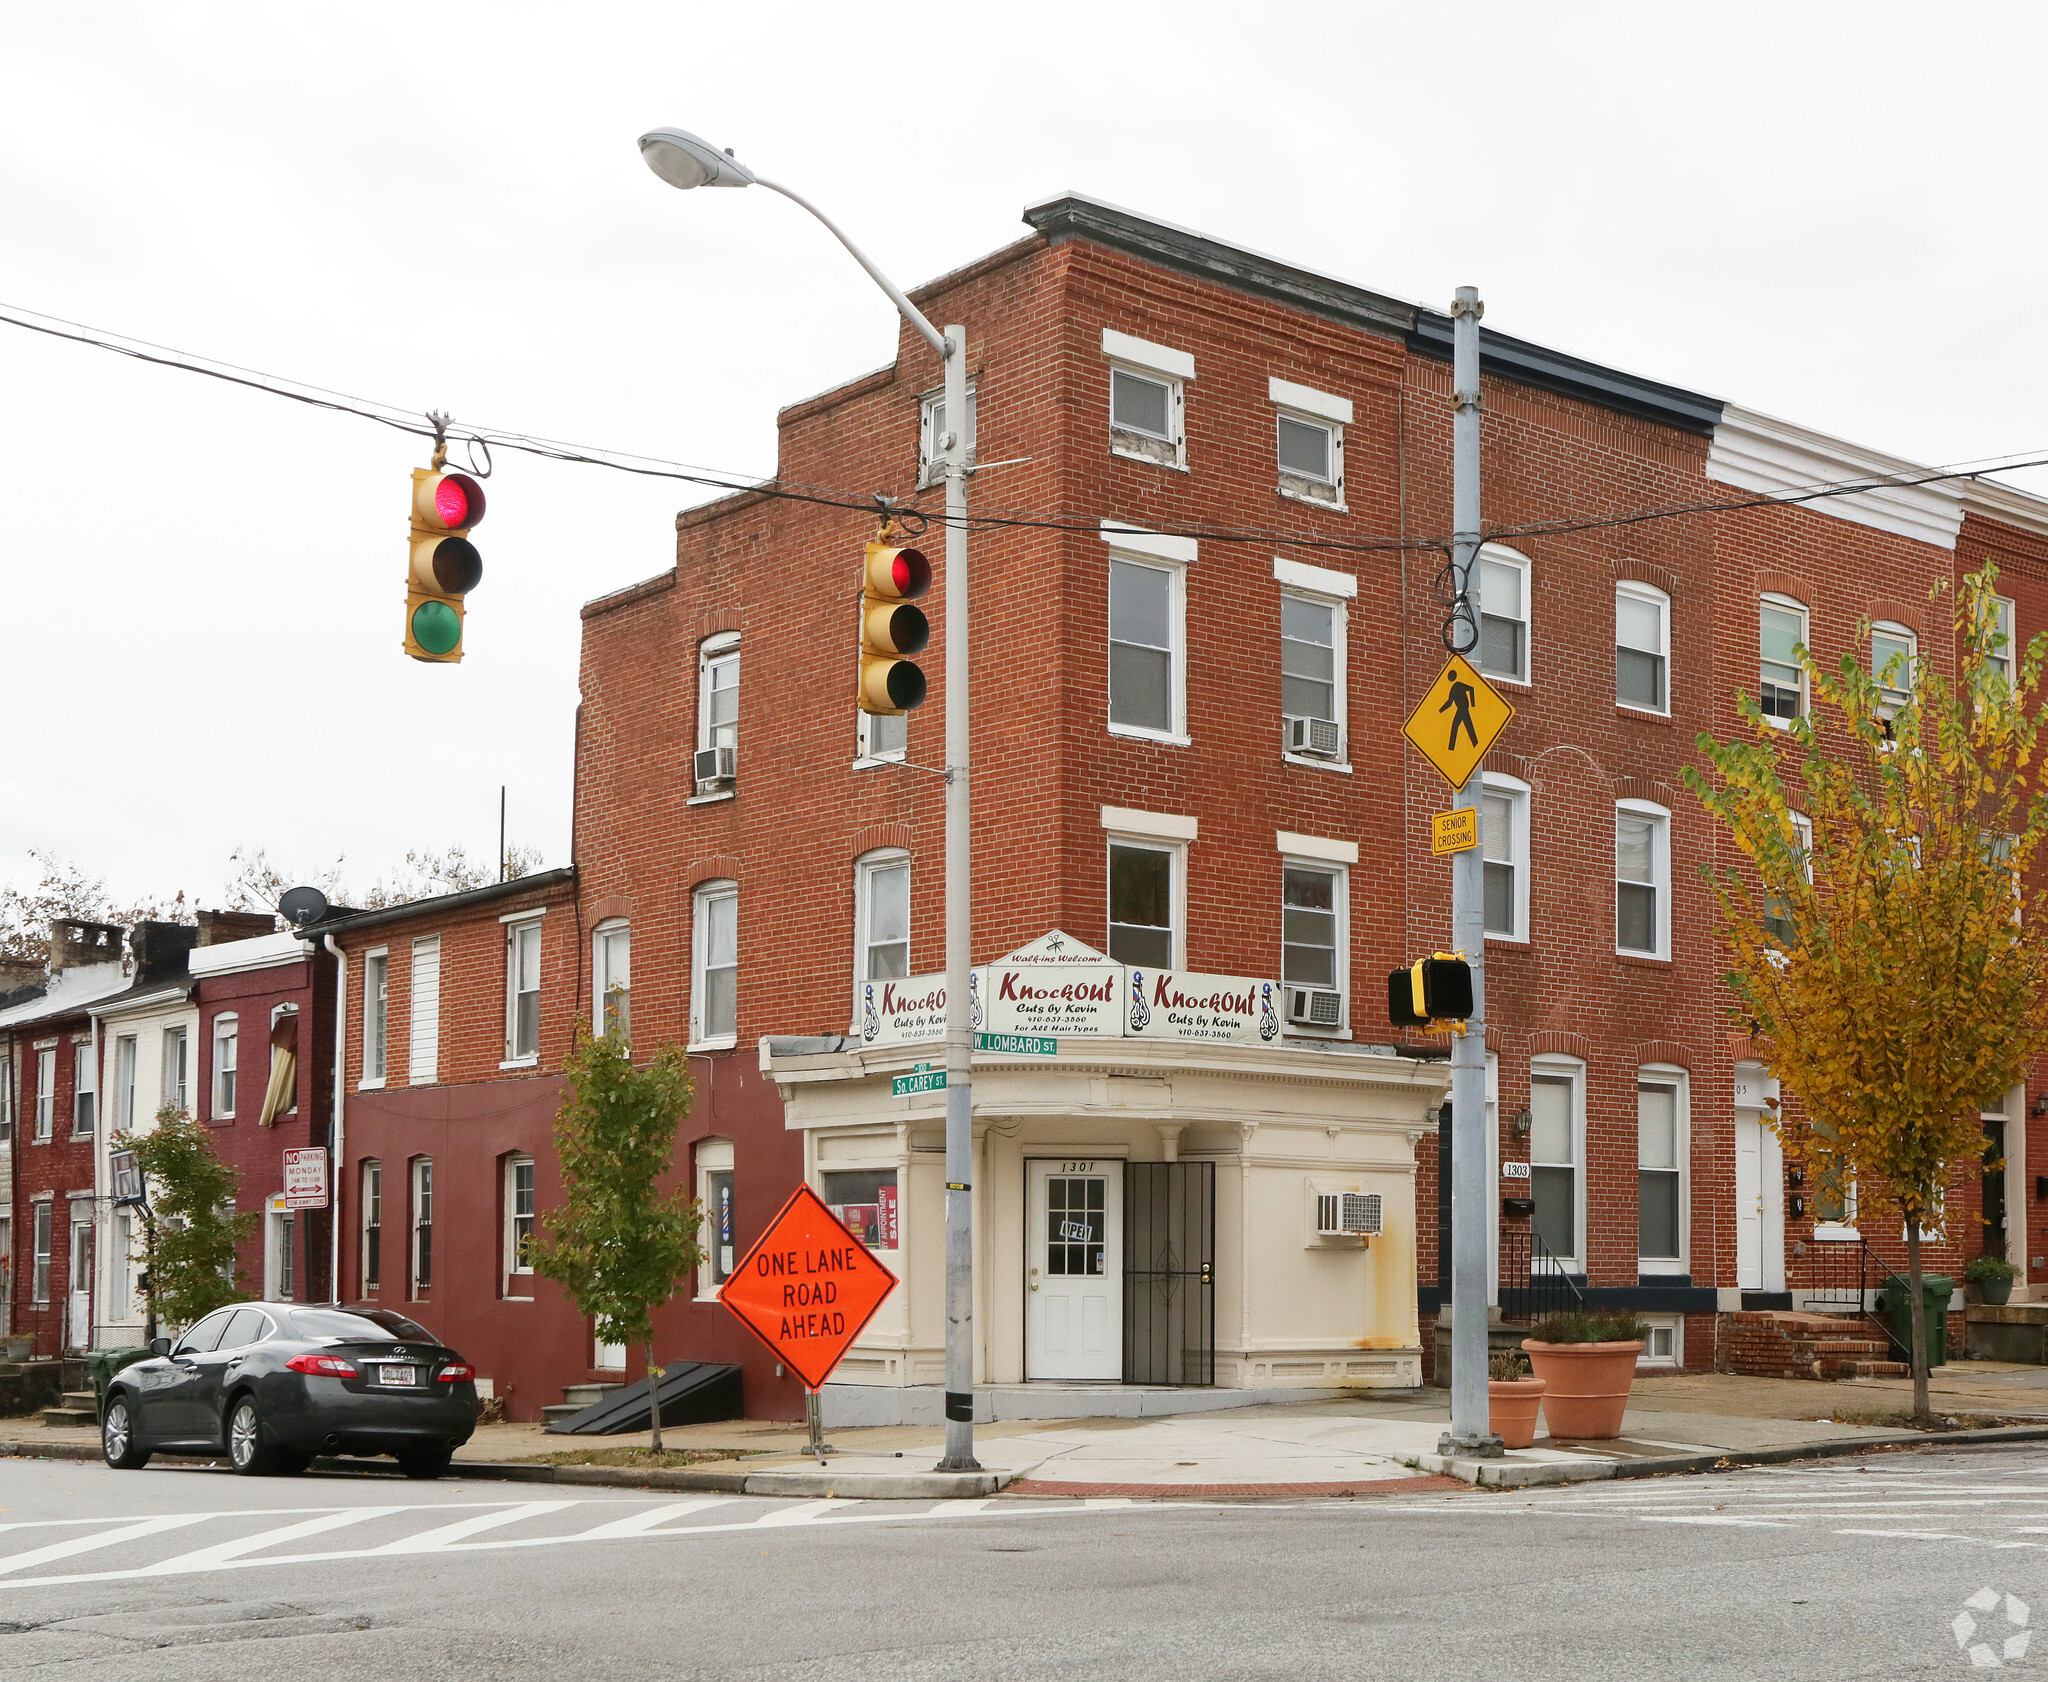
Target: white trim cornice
(1755, 452)
(2008, 505)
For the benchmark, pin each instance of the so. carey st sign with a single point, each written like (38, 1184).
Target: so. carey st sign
(1058, 986)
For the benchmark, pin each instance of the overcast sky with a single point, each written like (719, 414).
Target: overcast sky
(1827, 212)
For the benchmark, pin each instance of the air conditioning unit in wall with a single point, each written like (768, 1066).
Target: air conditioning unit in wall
(1317, 736)
(713, 766)
(1316, 1007)
(1348, 1214)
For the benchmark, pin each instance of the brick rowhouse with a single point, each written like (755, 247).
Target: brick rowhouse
(1599, 1053)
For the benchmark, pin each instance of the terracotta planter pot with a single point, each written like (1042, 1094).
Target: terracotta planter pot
(1511, 1409)
(1588, 1385)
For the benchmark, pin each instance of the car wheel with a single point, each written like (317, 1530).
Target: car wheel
(430, 1463)
(117, 1436)
(248, 1453)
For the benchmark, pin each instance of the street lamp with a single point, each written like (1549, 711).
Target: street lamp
(683, 160)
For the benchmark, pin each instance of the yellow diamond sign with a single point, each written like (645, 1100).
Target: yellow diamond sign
(1458, 721)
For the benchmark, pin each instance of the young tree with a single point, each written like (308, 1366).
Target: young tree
(617, 1243)
(190, 1260)
(1887, 958)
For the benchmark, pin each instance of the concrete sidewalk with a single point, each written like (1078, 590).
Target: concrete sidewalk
(1348, 1444)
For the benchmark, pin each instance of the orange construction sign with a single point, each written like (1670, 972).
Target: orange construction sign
(807, 1287)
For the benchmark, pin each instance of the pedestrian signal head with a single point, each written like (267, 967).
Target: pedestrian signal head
(1437, 989)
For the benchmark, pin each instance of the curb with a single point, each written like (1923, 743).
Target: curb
(823, 1483)
(1498, 1474)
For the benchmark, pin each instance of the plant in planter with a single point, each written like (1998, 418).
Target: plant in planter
(1514, 1396)
(1993, 1276)
(1587, 1363)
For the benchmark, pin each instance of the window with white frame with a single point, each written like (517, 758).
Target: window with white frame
(931, 434)
(884, 735)
(84, 1088)
(1661, 1150)
(1146, 630)
(715, 1194)
(1998, 655)
(611, 972)
(1312, 674)
(1503, 613)
(124, 1082)
(1778, 923)
(1504, 835)
(882, 916)
(1147, 399)
(6, 1101)
(1642, 648)
(43, 1236)
(371, 1211)
(1557, 1150)
(46, 1094)
(1642, 879)
(522, 991)
(1313, 921)
(518, 1193)
(1781, 681)
(1144, 898)
(422, 1225)
(376, 1015)
(177, 1055)
(423, 1032)
(1663, 1342)
(718, 692)
(226, 1055)
(1892, 648)
(715, 964)
(1309, 441)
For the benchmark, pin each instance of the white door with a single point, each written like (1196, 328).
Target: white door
(1074, 1270)
(1759, 1205)
(81, 1285)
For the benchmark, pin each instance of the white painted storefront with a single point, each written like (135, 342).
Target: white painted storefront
(1091, 1251)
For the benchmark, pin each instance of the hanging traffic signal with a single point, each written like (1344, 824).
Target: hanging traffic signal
(445, 564)
(1436, 989)
(890, 628)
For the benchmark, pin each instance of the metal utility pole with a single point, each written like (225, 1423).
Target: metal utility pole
(1471, 1431)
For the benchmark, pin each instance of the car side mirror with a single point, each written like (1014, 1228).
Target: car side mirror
(159, 1346)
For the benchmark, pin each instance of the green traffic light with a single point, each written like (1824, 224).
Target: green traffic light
(436, 627)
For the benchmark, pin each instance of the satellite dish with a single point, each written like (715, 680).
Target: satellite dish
(302, 906)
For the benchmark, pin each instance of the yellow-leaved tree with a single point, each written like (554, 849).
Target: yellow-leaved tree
(1887, 958)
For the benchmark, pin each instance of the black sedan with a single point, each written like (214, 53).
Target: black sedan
(275, 1383)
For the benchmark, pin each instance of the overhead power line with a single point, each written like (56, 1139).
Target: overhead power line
(492, 438)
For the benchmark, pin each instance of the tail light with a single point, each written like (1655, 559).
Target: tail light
(322, 1366)
(456, 1374)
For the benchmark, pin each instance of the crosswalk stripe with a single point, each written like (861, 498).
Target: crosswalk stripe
(429, 1541)
(104, 1539)
(802, 1513)
(639, 1524)
(1716, 1518)
(221, 1552)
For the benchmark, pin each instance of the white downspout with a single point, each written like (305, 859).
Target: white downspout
(102, 1209)
(338, 1133)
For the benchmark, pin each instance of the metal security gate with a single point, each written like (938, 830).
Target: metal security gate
(1169, 1273)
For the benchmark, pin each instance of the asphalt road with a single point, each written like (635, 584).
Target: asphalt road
(1856, 1568)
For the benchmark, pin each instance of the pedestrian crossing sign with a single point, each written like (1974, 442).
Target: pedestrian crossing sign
(1457, 721)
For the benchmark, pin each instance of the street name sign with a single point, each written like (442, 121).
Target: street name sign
(807, 1288)
(1457, 721)
(1454, 832)
(923, 1078)
(1024, 1045)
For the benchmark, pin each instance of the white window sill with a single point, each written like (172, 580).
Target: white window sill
(726, 1043)
(871, 761)
(1332, 505)
(1315, 764)
(1302, 1031)
(521, 1062)
(512, 1297)
(369, 1086)
(1643, 957)
(1835, 1234)
(1647, 1269)
(1501, 677)
(1508, 939)
(1150, 461)
(1779, 723)
(1646, 712)
(712, 799)
(1138, 733)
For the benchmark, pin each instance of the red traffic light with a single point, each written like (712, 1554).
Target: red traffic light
(897, 574)
(447, 501)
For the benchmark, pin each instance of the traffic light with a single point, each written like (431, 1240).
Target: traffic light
(1435, 989)
(445, 564)
(890, 628)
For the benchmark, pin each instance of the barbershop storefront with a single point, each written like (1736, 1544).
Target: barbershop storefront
(1166, 1190)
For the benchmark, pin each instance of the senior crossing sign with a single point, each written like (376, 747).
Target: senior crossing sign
(807, 1288)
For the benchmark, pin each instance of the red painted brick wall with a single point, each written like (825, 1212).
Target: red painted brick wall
(62, 1166)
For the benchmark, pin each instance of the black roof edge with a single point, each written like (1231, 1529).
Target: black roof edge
(1197, 254)
(540, 879)
(1572, 376)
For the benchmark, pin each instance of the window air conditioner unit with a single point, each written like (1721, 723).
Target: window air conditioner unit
(1348, 1214)
(1319, 1007)
(715, 765)
(1316, 736)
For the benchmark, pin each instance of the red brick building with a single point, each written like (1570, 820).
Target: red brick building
(1204, 603)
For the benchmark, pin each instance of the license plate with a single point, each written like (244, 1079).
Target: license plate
(398, 1375)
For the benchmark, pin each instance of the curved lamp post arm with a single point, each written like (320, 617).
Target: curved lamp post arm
(911, 313)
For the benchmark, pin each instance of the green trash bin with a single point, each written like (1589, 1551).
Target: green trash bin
(102, 1364)
(1935, 1291)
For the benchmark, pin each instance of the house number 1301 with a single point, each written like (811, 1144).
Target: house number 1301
(1077, 1167)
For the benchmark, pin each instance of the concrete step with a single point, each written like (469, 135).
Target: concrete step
(88, 1416)
(582, 1395)
(559, 1410)
(81, 1399)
